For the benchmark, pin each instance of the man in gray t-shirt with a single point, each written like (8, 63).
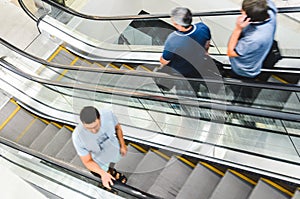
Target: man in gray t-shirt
(99, 141)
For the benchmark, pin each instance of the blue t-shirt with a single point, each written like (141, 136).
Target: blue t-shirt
(104, 145)
(254, 44)
(183, 49)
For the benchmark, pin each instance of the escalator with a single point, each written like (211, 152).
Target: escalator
(281, 123)
(136, 165)
(155, 171)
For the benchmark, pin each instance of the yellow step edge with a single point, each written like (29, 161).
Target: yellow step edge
(145, 68)
(282, 189)
(100, 65)
(212, 168)
(128, 67)
(65, 71)
(115, 67)
(10, 117)
(279, 79)
(57, 125)
(25, 130)
(138, 147)
(13, 101)
(68, 127)
(67, 51)
(60, 48)
(243, 177)
(161, 154)
(186, 161)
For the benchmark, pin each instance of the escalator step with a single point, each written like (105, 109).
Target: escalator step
(147, 171)
(67, 153)
(232, 186)
(77, 161)
(6, 110)
(128, 163)
(264, 190)
(200, 184)
(44, 137)
(297, 194)
(171, 179)
(58, 142)
(33, 132)
(17, 125)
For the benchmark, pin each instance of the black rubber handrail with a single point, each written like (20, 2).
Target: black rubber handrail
(79, 171)
(267, 85)
(139, 95)
(155, 16)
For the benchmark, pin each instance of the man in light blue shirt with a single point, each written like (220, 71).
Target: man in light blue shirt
(250, 43)
(99, 142)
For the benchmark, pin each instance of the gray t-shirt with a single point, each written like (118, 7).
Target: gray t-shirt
(104, 145)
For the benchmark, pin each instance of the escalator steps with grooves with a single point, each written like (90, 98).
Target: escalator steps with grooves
(297, 194)
(16, 124)
(58, 142)
(147, 171)
(200, 184)
(151, 171)
(171, 179)
(5, 111)
(264, 190)
(44, 137)
(232, 186)
(67, 152)
(32, 132)
(128, 163)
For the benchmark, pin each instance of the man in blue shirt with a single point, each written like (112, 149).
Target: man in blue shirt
(252, 39)
(186, 50)
(99, 142)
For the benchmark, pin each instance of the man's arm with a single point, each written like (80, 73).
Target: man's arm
(119, 133)
(91, 165)
(234, 38)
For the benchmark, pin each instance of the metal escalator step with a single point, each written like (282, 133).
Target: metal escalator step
(147, 171)
(264, 190)
(128, 163)
(297, 194)
(200, 184)
(171, 179)
(32, 132)
(232, 186)
(17, 125)
(44, 137)
(77, 161)
(58, 142)
(67, 153)
(6, 110)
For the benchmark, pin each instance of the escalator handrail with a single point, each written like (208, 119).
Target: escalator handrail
(265, 85)
(74, 169)
(155, 16)
(190, 102)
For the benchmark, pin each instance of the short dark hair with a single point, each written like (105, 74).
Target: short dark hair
(182, 16)
(89, 114)
(256, 10)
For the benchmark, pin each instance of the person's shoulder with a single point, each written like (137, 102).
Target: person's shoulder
(77, 130)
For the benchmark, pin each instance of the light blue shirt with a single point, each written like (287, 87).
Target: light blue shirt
(104, 145)
(254, 44)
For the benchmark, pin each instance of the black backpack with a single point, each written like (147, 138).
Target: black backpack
(273, 56)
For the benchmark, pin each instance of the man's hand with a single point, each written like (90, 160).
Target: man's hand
(107, 180)
(242, 21)
(123, 150)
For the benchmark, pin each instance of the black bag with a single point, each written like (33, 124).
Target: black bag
(273, 56)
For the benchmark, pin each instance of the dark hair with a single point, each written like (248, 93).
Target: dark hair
(182, 16)
(257, 10)
(89, 114)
